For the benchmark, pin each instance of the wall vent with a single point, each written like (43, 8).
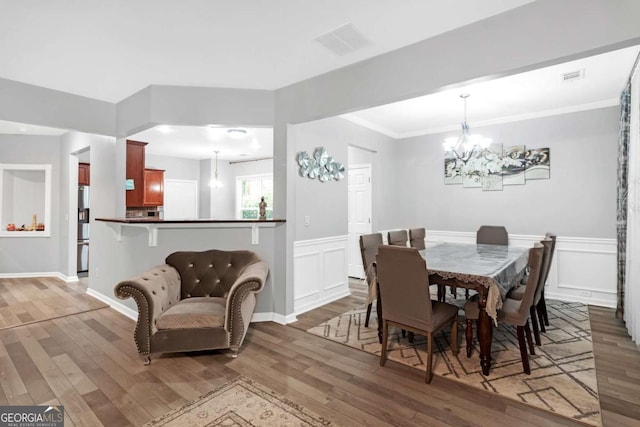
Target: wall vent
(573, 75)
(343, 40)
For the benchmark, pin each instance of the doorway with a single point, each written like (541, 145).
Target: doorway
(359, 190)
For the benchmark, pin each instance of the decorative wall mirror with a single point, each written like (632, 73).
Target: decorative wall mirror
(25, 195)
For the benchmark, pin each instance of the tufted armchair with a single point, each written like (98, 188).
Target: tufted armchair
(196, 301)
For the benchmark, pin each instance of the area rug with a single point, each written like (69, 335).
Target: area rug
(240, 402)
(562, 379)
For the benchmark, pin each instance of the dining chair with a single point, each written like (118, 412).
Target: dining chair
(514, 312)
(489, 235)
(368, 250)
(397, 238)
(402, 275)
(542, 305)
(539, 314)
(492, 235)
(416, 238)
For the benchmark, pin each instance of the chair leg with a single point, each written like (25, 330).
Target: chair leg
(385, 333)
(527, 330)
(429, 356)
(410, 337)
(541, 314)
(543, 307)
(469, 333)
(454, 337)
(466, 294)
(523, 351)
(366, 319)
(442, 292)
(534, 323)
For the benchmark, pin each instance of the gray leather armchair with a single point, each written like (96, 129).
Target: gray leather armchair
(195, 301)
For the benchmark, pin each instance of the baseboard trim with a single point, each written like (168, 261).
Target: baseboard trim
(117, 306)
(273, 317)
(55, 274)
(323, 301)
(133, 314)
(601, 302)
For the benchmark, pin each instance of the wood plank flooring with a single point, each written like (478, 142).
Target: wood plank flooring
(88, 362)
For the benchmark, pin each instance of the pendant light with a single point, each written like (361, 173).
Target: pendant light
(216, 183)
(466, 142)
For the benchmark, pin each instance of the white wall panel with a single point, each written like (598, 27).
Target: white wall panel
(319, 272)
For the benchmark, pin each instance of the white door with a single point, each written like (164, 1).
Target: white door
(359, 214)
(180, 199)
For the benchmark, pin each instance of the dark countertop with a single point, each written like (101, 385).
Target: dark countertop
(152, 220)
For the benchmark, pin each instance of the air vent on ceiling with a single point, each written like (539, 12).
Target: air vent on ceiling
(573, 75)
(343, 40)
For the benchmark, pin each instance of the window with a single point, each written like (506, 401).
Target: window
(249, 190)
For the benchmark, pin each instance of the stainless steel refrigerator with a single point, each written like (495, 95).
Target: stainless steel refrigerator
(83, 228)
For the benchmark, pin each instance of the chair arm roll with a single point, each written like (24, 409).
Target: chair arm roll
(238, 313)
(154, 291)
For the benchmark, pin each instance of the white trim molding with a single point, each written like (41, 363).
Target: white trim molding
(55, 274)
(114, 304)
(133, 313)
(319, 272)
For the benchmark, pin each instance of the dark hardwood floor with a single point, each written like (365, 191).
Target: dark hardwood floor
(87, 362)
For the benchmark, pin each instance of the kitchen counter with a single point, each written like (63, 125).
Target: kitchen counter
(152, 225)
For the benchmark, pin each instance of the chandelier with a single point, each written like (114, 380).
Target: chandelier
(467, 142)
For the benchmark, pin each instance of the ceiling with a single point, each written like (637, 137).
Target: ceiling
(109, 50)
(125, 46)
(537, 93)
(201, 142)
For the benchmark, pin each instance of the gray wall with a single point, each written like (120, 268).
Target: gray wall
(528, 37)
(326, 203)
(579, 199)
(205, 190)
(23, 103)
(132, 255)
(33, 254)
(175, 167)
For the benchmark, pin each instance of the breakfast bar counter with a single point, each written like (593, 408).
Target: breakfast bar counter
(152, 225)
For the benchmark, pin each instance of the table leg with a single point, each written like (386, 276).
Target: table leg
(485, 332)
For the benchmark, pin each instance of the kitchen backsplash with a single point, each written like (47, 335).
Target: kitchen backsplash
(142, 212)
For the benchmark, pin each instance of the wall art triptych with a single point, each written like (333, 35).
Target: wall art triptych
(494, 167)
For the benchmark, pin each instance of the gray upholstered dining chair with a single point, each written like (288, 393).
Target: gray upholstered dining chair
(539, 314)
(406, 303)
(397, 238)
(368, 250)
(492, 235)
(489, 235)
(416, 238)
(514, 312)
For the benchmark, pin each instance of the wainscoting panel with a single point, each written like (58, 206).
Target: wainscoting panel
(583, 269)
(319, 272)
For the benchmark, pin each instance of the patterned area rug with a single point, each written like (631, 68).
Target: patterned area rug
(562, 379)
(240, 402)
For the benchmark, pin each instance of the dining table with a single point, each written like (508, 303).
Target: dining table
(490, 270)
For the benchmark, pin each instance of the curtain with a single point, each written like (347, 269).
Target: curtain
(623, 188)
